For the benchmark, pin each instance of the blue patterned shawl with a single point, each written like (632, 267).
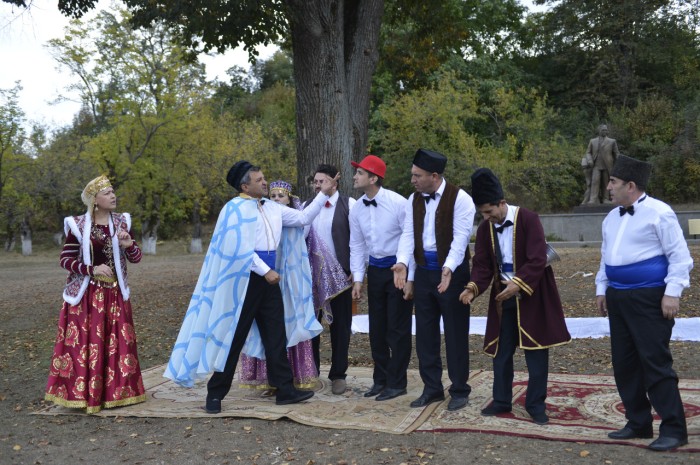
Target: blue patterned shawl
(206, 335)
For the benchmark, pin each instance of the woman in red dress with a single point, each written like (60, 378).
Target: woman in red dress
(95, 363)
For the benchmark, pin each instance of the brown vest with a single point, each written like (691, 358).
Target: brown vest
(444, 223)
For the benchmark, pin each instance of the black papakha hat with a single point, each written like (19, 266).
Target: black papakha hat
(236, 173)
(432, 162)
(486, 188)
(630, 169)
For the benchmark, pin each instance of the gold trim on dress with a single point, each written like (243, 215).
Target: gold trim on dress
(82, 404)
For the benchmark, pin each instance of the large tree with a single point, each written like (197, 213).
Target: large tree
(334, 50)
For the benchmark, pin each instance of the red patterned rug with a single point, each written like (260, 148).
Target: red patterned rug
(581, 408)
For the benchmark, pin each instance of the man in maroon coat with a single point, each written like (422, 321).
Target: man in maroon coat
(524, 306)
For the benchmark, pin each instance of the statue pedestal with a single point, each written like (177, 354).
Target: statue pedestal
(594, 208)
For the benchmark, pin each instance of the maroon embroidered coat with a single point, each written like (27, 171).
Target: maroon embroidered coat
(540, 316)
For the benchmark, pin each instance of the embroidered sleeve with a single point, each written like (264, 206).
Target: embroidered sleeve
(133, 253)
(70, 257)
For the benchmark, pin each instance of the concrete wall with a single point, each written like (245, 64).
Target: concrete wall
(586, 227)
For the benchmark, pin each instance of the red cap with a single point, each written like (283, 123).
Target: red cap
(372, 164)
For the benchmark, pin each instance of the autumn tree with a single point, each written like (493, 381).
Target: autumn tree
(13, 163)
(152, 91)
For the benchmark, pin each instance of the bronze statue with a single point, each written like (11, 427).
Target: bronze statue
(600, 157)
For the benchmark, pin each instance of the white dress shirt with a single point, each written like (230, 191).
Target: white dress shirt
(323, 223)
(505, 238)
(376, 230)
(461, 228)
(271, 217)
(653, 230)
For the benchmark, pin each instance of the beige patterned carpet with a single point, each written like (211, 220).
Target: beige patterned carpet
(582, 408)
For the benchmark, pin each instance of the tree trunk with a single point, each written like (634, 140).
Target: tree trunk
(149, 238)
(10, 232)
(25, 230)
(149, 227)
(196, 242)
(335, 54)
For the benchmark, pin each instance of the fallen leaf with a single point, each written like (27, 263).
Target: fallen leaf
(17, 447)
(584, 453)
(384, 449)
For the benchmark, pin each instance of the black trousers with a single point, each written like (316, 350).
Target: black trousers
(263, 303)
(642, 361)
(430, 306)
(389, 328)
(341, 306)
(537, 365)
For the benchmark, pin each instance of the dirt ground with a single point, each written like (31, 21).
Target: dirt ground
(30, 297)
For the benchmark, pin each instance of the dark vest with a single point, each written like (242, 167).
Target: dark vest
(444, 223)
(340, 230)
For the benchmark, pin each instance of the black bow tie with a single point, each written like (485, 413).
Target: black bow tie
(427, 197)
(262, 201)
(370, 202)
(629, 210)
(499, 229)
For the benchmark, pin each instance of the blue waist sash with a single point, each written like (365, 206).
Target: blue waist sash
(431, 261)
(269, 257)
(647, 273)
(385, 262)
(507, 267)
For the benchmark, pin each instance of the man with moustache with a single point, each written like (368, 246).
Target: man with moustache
(376, 222)
(645, 265)
(238, 285)
(436, 233)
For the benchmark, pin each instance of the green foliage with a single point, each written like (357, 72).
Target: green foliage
(595, 54)
(15, 163)
(277, 70)
(418, 37)
(537, 168)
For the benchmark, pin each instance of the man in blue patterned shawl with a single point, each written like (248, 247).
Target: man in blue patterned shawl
(237, 305)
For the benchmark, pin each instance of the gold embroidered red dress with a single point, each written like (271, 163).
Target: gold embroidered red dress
(95, 362)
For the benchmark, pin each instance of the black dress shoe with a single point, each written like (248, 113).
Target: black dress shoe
(457, 403)
(491, 410)
(213, 406)
(540, 418)
(427, 399)
(629, 433)
(390, 393)
(374, 390)
(664, 443)
(293, 396)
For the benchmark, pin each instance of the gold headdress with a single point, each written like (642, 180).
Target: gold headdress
(92, 188)
(283, 186)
